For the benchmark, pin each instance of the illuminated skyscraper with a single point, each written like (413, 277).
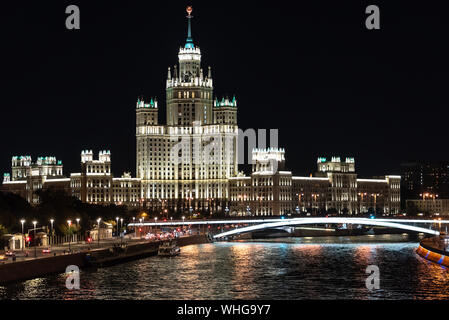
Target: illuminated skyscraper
(185, 165)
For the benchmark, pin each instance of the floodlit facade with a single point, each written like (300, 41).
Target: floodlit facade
(428, 206)
(185, 164)
(28, 177)
(335, 188)
(96, 184)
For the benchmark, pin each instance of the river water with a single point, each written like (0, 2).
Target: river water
(295, 268)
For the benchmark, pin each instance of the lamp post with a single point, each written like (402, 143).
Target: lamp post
(98, 221)
(121, 225)
(34, 235)
(361, 194)
(314, 195)
(116, 219)
(51, 224)
(155, 227)
(23, 242)
(140, 221)
(375, 201)
(300, 195)
(77, 227)
(69, 222)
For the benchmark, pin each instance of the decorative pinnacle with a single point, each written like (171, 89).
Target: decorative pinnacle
(189, 43)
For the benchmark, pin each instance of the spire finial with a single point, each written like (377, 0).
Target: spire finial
(189, 43)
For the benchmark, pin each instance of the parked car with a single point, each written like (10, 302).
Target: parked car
(46, 250)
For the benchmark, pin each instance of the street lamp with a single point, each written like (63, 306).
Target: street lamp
(51, 223)
(23, 244)
(77, 227)
(121, 223)
(98, 221)
(140, 221)
(116, 219)
(34, 235)
(69, 222)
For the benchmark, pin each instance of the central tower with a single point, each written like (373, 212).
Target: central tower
(189, 92)
(185, 165)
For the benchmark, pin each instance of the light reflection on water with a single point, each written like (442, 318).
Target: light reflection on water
(317, 268)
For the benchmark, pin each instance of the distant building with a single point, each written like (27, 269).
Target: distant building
(28, 177)
(95, 183)
(428, 206)
(425, 177)
(268, 191)
(105, 231)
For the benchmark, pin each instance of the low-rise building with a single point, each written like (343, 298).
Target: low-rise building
(429, 206)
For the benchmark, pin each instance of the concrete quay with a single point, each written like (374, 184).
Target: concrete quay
(112, 253)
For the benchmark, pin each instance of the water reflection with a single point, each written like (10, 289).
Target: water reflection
(317, 268)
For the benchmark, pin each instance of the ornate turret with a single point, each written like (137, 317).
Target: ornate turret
(225, 111)
(189, 92)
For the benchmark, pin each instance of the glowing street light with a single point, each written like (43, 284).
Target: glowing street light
(35, 250)
(69, 222)
(116, 219)
(22, 222)
(135, 229)
(98, 222)
(51, 223)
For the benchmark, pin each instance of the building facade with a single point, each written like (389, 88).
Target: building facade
(428, 206)
(421, 177)
(185, 164)
(335, 188)
(28, 177)
(94, 184)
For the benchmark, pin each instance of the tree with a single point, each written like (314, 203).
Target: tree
(3, 230)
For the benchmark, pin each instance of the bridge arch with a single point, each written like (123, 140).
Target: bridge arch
(303, 221)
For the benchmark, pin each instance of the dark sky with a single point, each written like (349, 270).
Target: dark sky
(313, 71)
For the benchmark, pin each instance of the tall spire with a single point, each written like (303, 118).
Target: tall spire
(189, 42)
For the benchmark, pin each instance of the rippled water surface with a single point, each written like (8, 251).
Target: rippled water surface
(301, 268)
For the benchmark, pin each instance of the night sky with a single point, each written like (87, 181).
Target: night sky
(313, 71)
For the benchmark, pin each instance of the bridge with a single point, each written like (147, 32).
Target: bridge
(261, 224)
